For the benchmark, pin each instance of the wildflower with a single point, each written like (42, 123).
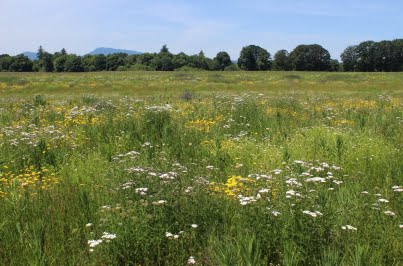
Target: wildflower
(316, 179)
(191, 260)
(337, 182)
(142, 191)
(94, 243)
(194, 226)
(168, 235)
(348, 227)
(292, 193)
(389, 213)
(397, 189)
(276, 213)
(264, 190)
(108, 236)
(88, 225)
(383, 200)
(210, 167)
(176, 236)
(313, 214)
(364, 192)
(401, 226)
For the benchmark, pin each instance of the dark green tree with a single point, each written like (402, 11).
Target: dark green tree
(21, 63)
(282, 61)
(114, 61)
(366, 56)
(223, 60)
(180, 60)
(311, 57)
(349, 58)
(254, 58)
(59, 63)
(47, 62)
(73, 64)
(39, 54)
(334, 65)
(5, 62)
(99, 62)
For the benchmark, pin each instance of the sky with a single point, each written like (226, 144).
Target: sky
(190, 26)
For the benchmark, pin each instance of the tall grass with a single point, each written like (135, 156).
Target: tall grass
(245, 176)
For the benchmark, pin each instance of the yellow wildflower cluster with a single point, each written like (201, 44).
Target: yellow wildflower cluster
(234, 186)
(204, 124)
(27, 179)
(82, 120)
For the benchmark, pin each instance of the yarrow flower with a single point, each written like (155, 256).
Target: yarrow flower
(389, 213)
(383, 200)
(93, 243)
(108, 236)
(313, 213)
(194, 226)
(349, 227)
(191, 260)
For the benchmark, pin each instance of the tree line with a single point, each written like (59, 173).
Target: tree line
(368, 56)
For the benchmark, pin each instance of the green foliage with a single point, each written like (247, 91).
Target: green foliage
(223, 60)
(311, 57)
(282, 61)
(254, 58)
(165, 172)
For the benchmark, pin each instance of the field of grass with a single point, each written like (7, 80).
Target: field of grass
(204, 168)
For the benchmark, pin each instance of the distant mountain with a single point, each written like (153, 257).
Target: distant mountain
(30, 55)
(106, 51)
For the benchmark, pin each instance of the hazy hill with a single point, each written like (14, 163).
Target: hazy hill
(106, 51)
(30, 55)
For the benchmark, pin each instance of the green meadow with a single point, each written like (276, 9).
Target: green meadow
(201, 168)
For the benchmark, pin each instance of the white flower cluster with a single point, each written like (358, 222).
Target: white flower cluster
(95, 242)
(348, 227)
(397, 189)
(313, 213)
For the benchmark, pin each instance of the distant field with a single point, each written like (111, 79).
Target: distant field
(174, 83)
(204, 168)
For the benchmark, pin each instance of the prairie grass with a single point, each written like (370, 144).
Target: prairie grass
(150, 168)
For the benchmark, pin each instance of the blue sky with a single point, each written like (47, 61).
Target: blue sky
(191, 26)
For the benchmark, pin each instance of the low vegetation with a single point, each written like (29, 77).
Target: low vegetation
(203, 168)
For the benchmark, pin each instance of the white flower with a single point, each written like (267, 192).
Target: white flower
(348, 227)
(94, 243)
(176, 236)
(275, 213)
(91, 250)
(401, 226)
(194, 226)
(364, 192)
(337, 182)
(316, 179)
(264, 190)
(313, 213)
(88, 225)
(160, 202)
(107, 235)
(168, 234)
(258, 196)
(389, 213)
(383, 200)
(397, 189)
(191, 260)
